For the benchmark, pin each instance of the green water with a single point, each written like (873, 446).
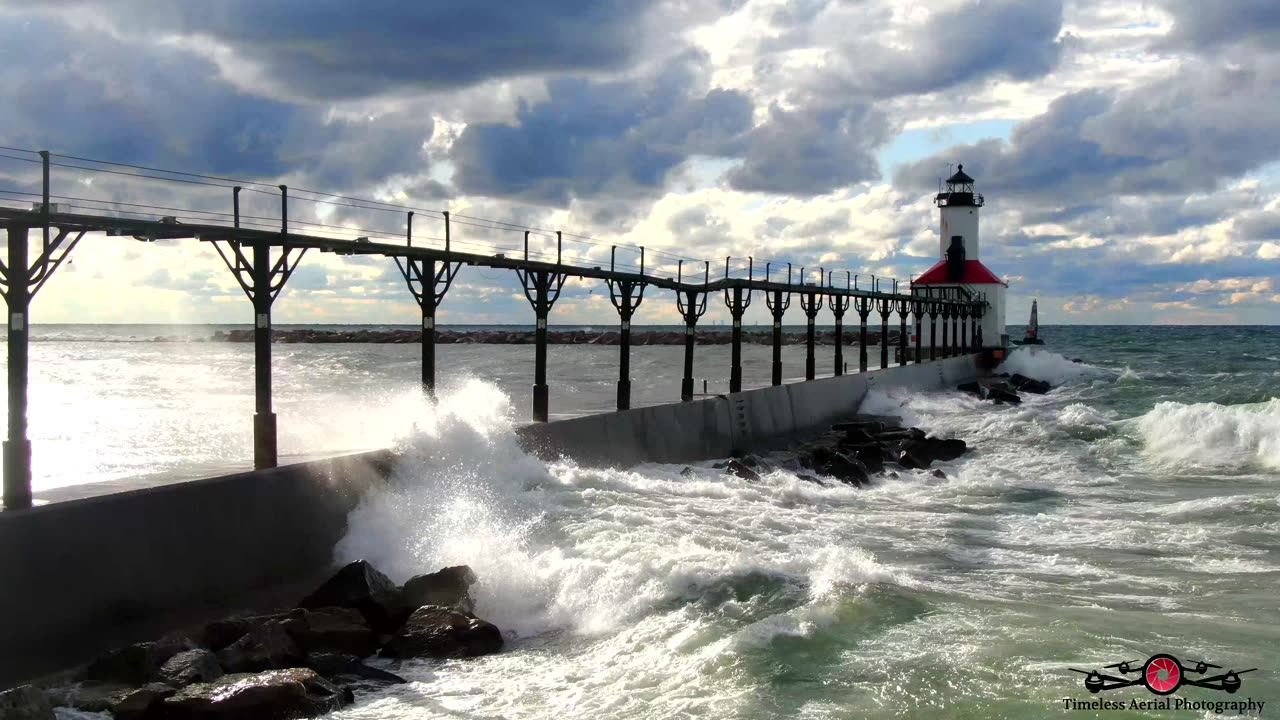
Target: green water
(1134, 510)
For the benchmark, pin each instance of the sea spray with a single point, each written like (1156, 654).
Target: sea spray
(1044, 365)
(1212, 435)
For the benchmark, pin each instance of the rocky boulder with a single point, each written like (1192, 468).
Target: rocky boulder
(921, 453)
(136, 664)
(333, 629)
(740, 469)
(449, 587)
(440, 632)
(1031, 385)
(267, 647)
(189, 666)
(142, 703)
(272, 695)
(221, 633)
(25, 703)
(360, 586)
(350, 671)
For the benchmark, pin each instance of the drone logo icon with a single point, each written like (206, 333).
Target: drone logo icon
(1162, 674)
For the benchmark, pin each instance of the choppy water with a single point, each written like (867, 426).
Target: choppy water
(1133, 510)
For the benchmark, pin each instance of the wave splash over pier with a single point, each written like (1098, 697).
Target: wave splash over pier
(650, 593)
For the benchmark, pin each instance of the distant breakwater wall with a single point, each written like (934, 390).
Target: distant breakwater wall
(554, 337)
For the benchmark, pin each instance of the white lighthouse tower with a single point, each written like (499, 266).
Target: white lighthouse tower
(959, 272)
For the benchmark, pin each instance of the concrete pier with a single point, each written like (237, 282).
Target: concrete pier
(83, 574)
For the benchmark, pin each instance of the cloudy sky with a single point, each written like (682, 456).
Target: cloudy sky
(1129, 150)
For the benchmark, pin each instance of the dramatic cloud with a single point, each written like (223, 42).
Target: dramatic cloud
(330, 49)
(1127, 150)
(589, 138)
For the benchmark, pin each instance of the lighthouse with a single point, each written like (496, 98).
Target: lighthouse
(959, 273)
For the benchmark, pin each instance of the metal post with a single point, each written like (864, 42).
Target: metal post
(429, 331)
(690, 323)
(541, 393)
(864, 309)
(736, 310)
(946, 318)
(886, 309)
(933, 330)
(811, 303)
(626, 296)
(903, 306)
(918, 310)
(691, 306)
(838, 307)
(777, 335)
(964, 331)
(265, 440)
(542, 289)
(17, 447)
(955, 332)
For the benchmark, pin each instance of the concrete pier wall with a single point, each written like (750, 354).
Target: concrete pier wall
(85, 574)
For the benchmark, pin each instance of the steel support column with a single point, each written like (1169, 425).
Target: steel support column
(933, 330)
(625, 296)
(811, 303)
(262, 280)
(428, 282)
(955, 331)
(903, 307)
(17, 448)
(691, 305)
(542, 288)
(778, 305)
(737, 301)
(839, 304)
(964, 331)
(917, 309)
(946, 320)
(863, 306)
(20, 280)
(886, 309)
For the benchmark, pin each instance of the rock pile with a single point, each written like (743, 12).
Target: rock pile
(1004, 388)
(291, 664)
(854, 452)
(525, 337)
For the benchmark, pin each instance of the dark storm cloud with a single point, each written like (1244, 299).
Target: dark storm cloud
(601, 137)
(89, 94)
(1204, 24)
(1182, 134)
(339, 49)
(812, 152)
(974, 41)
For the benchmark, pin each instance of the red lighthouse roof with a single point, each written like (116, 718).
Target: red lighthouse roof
(975, 273)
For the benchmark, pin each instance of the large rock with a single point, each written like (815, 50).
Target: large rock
(332, 629)
(738, 468)
(360, 586)
(138, 663)
(350, 671)
(25, 703)
(922, 453)
(1031, 385)
(221, 633)
(439, 632)
(1003, 393)
(268, 647)
(449, 587)
(870, 455)
(142, 703)
(272, 695)
(188, 667)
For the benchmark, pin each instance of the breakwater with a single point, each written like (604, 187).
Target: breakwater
(527, 337)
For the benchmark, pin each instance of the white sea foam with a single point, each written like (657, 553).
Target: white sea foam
(1213, 435)
(1045, 365)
